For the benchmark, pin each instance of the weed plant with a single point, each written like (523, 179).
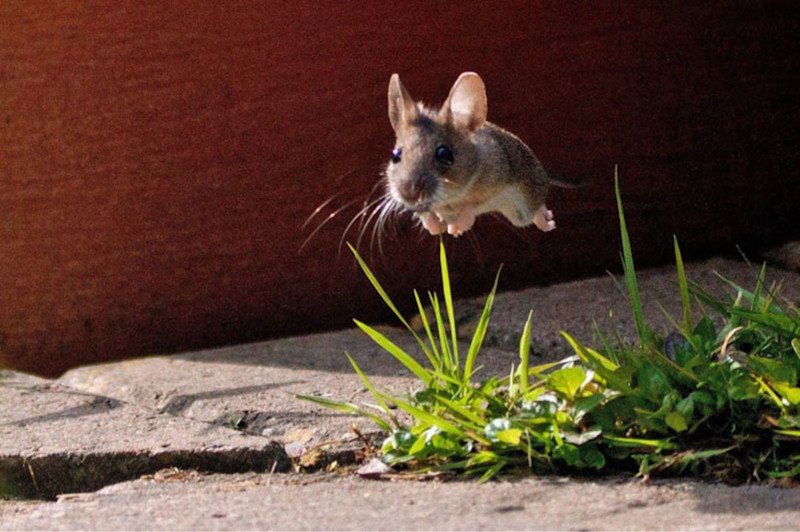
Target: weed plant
(714, 401)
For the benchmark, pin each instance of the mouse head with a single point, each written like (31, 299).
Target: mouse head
(434, 155)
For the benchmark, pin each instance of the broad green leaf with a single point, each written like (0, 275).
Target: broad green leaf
(496, 426)
(444, 445)
(592, 457)
(772, 370)
(419, 445)
(483, 457)
(509, 436)
(580, 438)
(567, 452)
(401, 439)
(584, 405)
(685, 407)
(788, 392)
(769, 392)
(567, 381)
(653, 382)
(676, 421)
(705, 330)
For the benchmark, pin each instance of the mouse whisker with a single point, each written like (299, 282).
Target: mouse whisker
(319, 208)
(359, 216)
(324, 222)
(386, 211)
(377, 206)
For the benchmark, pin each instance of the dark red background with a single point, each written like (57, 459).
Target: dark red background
(157, 162)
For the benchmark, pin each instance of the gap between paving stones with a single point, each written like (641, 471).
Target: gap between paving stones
(56, 440)
(46, 477)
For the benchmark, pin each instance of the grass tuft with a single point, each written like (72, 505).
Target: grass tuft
(717, 397)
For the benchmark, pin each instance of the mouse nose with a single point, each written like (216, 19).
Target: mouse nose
(413, 190)
(409, 191)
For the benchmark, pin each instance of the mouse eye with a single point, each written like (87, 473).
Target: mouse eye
(444, 156)
(396, 155)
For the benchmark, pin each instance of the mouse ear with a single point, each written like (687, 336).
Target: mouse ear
(466, 103)
(402, 108)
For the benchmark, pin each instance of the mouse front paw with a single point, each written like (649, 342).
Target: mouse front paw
(462, 224)
(544, 219)
(432, 223)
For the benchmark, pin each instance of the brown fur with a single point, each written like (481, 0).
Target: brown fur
(492, 170)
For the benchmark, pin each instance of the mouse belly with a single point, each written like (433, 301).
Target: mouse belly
(511, 202)
(455, 224)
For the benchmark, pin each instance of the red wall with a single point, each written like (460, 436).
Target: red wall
(157, 163)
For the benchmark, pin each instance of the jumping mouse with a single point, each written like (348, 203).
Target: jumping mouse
(450, 165)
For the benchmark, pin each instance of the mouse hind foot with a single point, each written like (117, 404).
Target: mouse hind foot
(544, 220)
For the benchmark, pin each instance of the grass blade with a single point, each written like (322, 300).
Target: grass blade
(447, 355)
(433, 356)
(480, 331)
(759, 287)
(370, 387)
(448, 300)
(640, 442)
(348, 408)
(630, 271)
(413, 366)
(477, 422)
(524, 353)
(683, 287)
(602, 366)
(377, 285)
(427, 417)
(387, 300)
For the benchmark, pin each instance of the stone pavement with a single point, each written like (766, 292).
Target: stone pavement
(212, 439)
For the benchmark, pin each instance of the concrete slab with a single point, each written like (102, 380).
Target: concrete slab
(189, 501)
(54, 439)
(253, 388)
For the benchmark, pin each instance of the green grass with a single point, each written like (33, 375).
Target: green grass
(716, 397)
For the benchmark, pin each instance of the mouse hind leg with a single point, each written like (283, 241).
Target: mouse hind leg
(522, 207)
(543, 218)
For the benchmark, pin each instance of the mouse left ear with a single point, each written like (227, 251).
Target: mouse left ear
(466, 104)
(402, 108)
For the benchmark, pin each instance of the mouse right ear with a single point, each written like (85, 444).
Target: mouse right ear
(466, 104)
(402, 108)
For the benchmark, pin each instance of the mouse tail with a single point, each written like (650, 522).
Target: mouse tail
(562, 182)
